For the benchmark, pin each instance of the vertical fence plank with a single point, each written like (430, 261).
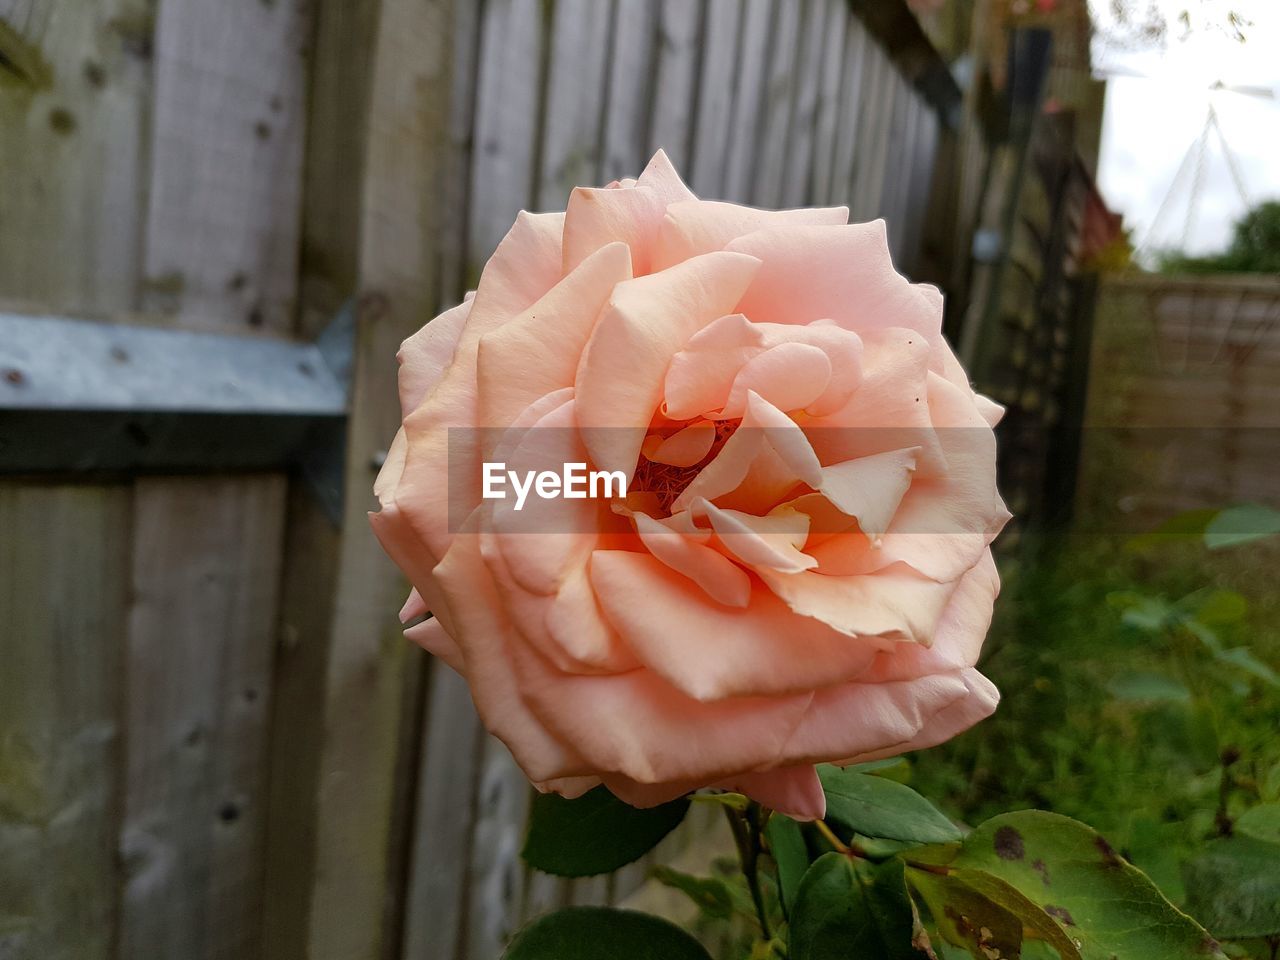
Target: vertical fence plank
(743, 139)
(827, 117)
(204, 581)
(435, 905)
(897, 173)
(574, 101)
(770, 174)
(715, 93)
(631, 81)
(850, 111)
(796, 184)
(872, 124)
(73, 115)
(496, 875)
(63, 564)
(922, 173)
(676, 72)
(226, 162)
(511, 62)
(365, 703)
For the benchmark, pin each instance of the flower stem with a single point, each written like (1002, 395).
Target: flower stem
(831, 838)
(746, 826)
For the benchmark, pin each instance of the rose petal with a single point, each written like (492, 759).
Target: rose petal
(619, 380)
(537, 351)
(895, 602)
(694, 227)
(719, 652)
(632, 215)
(425, 356)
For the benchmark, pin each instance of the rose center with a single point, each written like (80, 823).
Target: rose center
(666, 481)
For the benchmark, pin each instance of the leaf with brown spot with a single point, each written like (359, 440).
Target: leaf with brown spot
(1114, 909)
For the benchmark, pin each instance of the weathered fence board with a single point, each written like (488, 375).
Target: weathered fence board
(672, 110)
(743, 136)
(828, 119)
(201, 624)
(226, 162)
(63, 567)
(631, 81)
(72, 158)
(576, 90)
(779, 99)
(715, 96)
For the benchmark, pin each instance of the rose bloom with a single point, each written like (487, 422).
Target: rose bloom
(800, 571)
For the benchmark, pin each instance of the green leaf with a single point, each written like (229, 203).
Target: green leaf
(594, 933)
(1261, 822)
(596, 833)
(1243, 659)
(1032, 919)
(1239, 525)
(851, 908)
(711, 894)
(1106, 906)
(1233, 887)
(876, 807)
(1220, 607)
(1140, 686)
(787, 847)
(965, 917)
(1189, 524)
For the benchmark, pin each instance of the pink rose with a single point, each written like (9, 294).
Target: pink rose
(800, 571)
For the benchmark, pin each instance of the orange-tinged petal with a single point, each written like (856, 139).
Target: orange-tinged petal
(619, 379)
(716, 653)
(537, 351)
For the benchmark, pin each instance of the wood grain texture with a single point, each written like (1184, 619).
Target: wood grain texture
(872, 127)
(576, 91)
(850, 108)
(771, 166)
(72, 157)
(633, 49)
(506, 125)
(743, 139)
(797, 183)
(715, 98)
(436, 901)
(63, 582)
(226, 162)
(673, 109)
(201, 626)
(828, 119)
(369, 680)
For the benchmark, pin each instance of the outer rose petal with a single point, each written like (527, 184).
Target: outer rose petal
(694, 227)
(737, 652)
(426, 355)
(482, 634)
(632, 214)
(844, 273)
(538, 351)
(431, 637)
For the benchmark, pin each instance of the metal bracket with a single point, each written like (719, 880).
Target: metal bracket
(79, 396)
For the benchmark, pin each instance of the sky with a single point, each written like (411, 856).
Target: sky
(1150, 123)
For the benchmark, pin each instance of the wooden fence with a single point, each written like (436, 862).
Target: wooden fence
(213, 740)
(1184, 398)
